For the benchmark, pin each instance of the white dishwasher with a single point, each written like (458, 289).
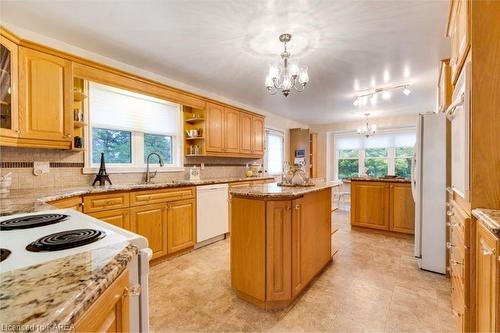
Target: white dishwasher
(212, 214)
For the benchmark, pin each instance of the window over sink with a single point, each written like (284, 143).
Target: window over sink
(127, 126)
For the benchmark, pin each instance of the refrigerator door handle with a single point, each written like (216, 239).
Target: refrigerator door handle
(413, 174)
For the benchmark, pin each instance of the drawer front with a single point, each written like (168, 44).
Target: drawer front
(139, 198)
(100, 202)
(458, 217)
(117, 217)
(240, 184)
(457, 292)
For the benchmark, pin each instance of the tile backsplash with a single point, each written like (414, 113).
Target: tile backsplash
(66, 168)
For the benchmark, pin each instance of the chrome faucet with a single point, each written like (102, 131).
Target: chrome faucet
(149, 177)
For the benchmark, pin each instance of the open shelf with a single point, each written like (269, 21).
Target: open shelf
(78, 96)
(194, 120)
(195, 138)
(78, 149)
(194, 155)
(79, 124)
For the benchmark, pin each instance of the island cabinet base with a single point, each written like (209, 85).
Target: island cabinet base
(278, 246)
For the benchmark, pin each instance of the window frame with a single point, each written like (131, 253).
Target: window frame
(281, 134)
(137, 148)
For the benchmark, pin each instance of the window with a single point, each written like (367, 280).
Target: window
(274, 152)
(348, 163)
(402, 162)
(385, 153)
(128, 126)
(376, 162)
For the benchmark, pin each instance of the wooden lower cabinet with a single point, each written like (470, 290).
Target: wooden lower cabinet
(110, 312)
(383, 205)
(150, 221)
(487, 280)
(74, 203)
(116, 217)
(402, 209)
(370, 204)
(278, 250)
(181, 224)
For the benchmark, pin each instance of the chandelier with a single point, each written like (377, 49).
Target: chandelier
(286, 76)
(371, 95)
(367, 130)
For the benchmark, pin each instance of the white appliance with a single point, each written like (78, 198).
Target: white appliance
(17, 240)
(212, 216)
(459, 114)
(428, 185)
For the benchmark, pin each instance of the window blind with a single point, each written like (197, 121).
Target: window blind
(274, 152)
(383, 139)
(115, 108)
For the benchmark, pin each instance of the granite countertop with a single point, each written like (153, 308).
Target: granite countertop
(51, 296)
(373, 179)
(490, 217)
(272, 190)
(24, 201)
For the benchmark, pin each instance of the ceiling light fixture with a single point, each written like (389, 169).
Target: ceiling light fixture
(367, 130)
(372, 94)
(286, 76)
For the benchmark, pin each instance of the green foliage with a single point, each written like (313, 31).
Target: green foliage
(403, 167)
(160, 144)
(404, 152)
(376, 152)
(349, 153)
(376, 167)
(348, 168)
(115, 144)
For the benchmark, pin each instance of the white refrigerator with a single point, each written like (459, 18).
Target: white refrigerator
(428, 182)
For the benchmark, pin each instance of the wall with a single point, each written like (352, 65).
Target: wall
(19, 160)
(323, 130)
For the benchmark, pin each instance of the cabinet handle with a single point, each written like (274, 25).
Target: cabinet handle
(449, 245)
(297, 207)
(134, 290)
(450, 213)
(108, 203)
(451, 225)
(288, 207)
(67, 135)
(454, 262)
(456, 313)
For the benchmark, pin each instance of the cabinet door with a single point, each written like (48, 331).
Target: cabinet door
(459, 36)
(150, 221)
(45, 91)
(215, 128)
(487, 279)
(9, 117)
(278, 250)
(110, 312)
(181, 225)
(402, 209)
(245, 133)
(117, 217)
(231, 130)
(444, 86)
(73, 203)
(370, 205)
(257, 135)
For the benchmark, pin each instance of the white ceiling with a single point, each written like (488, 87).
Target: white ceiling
(225, 47)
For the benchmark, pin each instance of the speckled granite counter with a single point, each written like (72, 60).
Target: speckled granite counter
(490, 217)
(388, 180)
(272, 190)
(23, 201)
(51, 296)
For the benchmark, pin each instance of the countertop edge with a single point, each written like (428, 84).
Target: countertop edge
(490, 217)
(286, 195)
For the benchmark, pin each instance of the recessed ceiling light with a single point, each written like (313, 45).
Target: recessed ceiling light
(386, 95)
(406, 91)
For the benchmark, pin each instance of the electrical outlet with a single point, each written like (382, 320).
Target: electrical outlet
(202, 166)
(40, 168)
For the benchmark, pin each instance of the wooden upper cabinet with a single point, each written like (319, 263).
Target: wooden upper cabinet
(9, 117)
(45, 96)
(150, 221)
(110, 312)
(231, 130)
(402, 211)
(181, 225)
(370, 205)
(458, 30)
(257, 135)
(444, 86)
(245, 133)
(487, 280)
(214, 128)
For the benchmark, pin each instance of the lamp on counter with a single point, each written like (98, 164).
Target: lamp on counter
(102, 176)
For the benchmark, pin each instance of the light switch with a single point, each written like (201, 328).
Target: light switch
(40, 168)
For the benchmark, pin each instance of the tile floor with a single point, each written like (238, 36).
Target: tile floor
(372, 285)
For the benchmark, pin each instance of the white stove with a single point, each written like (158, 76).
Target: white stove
(66, 228)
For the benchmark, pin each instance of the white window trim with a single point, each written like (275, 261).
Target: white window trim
(278, 133)
(137, 142)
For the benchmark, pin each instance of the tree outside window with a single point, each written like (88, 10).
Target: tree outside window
(115, 144)
(348, 163)
(161, 144)
(402, 161)
(376, 162)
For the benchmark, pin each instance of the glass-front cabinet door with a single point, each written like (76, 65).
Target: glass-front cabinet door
(9, 121)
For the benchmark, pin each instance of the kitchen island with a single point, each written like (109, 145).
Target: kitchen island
(280, 240)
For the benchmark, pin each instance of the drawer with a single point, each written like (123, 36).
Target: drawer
(117, 217)
(73, 202)
(456, 215)
(100, 202)
(457, 293)
(146, 197)
(240, 184)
